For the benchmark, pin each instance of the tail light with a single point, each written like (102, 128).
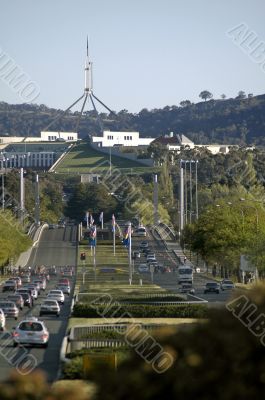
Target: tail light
(44, 336)
(15, 334)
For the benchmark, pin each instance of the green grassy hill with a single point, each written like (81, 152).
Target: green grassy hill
(84, 159)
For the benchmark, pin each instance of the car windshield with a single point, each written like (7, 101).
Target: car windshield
(6, 305)
(228, 282)
(211, 284)
(31, 326)
(183, 271)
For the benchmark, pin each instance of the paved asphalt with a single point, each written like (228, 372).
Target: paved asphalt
(56, 247)
(169, 280)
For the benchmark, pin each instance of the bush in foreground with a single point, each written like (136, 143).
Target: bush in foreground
(82, 310)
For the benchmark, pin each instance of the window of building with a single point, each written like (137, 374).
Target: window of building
(130, 137)
(125, 137)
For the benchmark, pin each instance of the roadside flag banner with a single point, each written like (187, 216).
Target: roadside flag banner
(126, 236)
(94, 231)
(113, 221)
(93, 236)
(91, 219)
(101, 217)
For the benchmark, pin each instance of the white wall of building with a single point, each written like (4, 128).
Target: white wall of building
(44, 137)
(111, 138)
(51, 136)
(12, 139)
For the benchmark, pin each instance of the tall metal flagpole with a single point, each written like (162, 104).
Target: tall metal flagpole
(22, 196)
(37, 201)
(190, 192)
(156, 216)
(130, 251)
(185, 194)
(113, 231)
(196, 189)
(3, 190)
(181, 198)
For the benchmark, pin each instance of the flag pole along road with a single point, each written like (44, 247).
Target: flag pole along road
(113, 231)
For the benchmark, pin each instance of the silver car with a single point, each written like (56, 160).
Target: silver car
(50, 306)
(226, 284)
(64, 288)
(56, 295)
(2, 320)
(17, 299)
(41, 282)
(9, 308)
(31, 331)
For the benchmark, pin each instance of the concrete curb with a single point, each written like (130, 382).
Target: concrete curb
(25, 256)
(63, 350)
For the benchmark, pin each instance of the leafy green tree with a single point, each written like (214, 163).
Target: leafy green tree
(205, 95)
(166, 186)
(90, 197)
(185, 103)
(241, 95)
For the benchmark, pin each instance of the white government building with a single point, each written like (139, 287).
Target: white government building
(44, 137)
(111, 138)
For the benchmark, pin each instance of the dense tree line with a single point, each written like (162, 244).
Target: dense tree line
(50, 192)
(231, 121)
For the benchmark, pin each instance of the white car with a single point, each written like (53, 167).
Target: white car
(64, 288)
(50, 306)
(151, 258)
(143, 268)
(2, 320)
(56, 294)
(41, 282)
(33, 290)
(31, 331)
(226, 284)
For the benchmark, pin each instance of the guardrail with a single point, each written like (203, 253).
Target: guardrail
(79, 332)
(95, 343)
(163, 228)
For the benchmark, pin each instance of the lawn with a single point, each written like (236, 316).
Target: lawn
(84, 159)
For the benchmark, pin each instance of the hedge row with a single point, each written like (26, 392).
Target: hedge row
(131, 299)
(141, 311)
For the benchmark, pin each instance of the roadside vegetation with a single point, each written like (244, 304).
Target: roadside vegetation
(13, 238)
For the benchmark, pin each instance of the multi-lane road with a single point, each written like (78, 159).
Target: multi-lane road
(59, 247)
(169, 280)
(56, 247)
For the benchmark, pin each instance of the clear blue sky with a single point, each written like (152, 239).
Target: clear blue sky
(146, 53)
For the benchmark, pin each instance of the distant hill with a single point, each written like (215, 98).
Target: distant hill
(231, 121)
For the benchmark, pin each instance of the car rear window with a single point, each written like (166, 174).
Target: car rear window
(31, 326)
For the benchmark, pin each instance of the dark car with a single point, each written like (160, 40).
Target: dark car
(28, 291)
(27, 299)
(9, 285)
(212, 287)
